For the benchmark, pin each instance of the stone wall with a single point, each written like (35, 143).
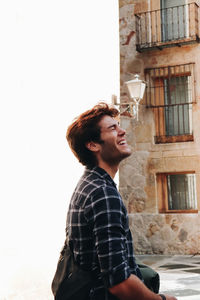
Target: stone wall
(166, 233)
(154, 232)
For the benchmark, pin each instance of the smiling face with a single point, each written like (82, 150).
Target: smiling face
(114, 147)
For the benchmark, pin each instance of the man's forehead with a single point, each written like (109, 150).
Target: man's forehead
(108, 121)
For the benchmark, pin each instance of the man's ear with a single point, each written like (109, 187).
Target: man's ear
(92, 146)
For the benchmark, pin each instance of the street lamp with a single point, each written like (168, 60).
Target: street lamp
(136, 88)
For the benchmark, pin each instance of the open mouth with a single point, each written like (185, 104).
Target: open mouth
(122, 142)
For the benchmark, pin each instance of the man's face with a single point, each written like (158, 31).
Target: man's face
(114, 147)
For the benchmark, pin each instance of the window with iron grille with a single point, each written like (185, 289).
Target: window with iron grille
(177, 192)
(170, 93)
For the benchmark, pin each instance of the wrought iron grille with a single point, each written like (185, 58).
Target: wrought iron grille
(181, 192)
(167, 27)
(170, 92)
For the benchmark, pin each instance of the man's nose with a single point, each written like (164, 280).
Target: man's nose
(122, 131)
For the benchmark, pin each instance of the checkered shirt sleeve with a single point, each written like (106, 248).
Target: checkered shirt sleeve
(106, 212)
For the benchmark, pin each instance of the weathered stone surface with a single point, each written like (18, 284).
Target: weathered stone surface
(141, 243)
(122, 3)
(135, 205)
(155, 165)
(157, 246)
(142, 135)
(153, 232)
(165, 234)
(182, 235)
(134, 66)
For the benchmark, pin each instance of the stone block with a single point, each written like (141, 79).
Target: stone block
(143, 147)
(150, 191)
(155, 165)
(178, 164)
(158, 245)
(134, 66)
(123, 3)
(155, 154)
(191, 152)
(172, 153)
(183, 234)
(136, 206)
(143, 134)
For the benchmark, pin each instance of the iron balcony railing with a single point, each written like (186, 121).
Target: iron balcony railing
(167, 27)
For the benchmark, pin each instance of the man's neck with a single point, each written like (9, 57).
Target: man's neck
(111, 170)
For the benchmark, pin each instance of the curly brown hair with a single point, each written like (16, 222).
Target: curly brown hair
(85, 129)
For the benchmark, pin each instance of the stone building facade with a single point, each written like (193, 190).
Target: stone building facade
(160, 182)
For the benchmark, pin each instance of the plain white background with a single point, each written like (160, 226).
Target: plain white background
(57, 58)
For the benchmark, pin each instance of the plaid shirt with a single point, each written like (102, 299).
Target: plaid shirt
(98, 229)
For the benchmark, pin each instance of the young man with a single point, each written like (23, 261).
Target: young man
(97, 221)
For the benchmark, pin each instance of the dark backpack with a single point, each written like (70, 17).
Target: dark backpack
(70, 282)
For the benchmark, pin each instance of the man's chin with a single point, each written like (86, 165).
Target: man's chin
(127, 153)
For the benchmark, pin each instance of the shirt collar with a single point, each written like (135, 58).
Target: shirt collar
(102, 173)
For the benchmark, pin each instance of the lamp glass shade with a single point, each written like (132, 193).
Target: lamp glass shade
(136, 88)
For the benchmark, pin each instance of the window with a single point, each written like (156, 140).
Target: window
(174, 20)
(177, 192)
(170, 93)
(178, 115)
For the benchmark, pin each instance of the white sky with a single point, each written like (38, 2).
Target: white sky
(57, 58)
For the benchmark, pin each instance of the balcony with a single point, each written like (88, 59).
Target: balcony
(168, 27)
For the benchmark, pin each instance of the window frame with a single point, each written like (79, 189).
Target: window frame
(155, 99)
(162, 194)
